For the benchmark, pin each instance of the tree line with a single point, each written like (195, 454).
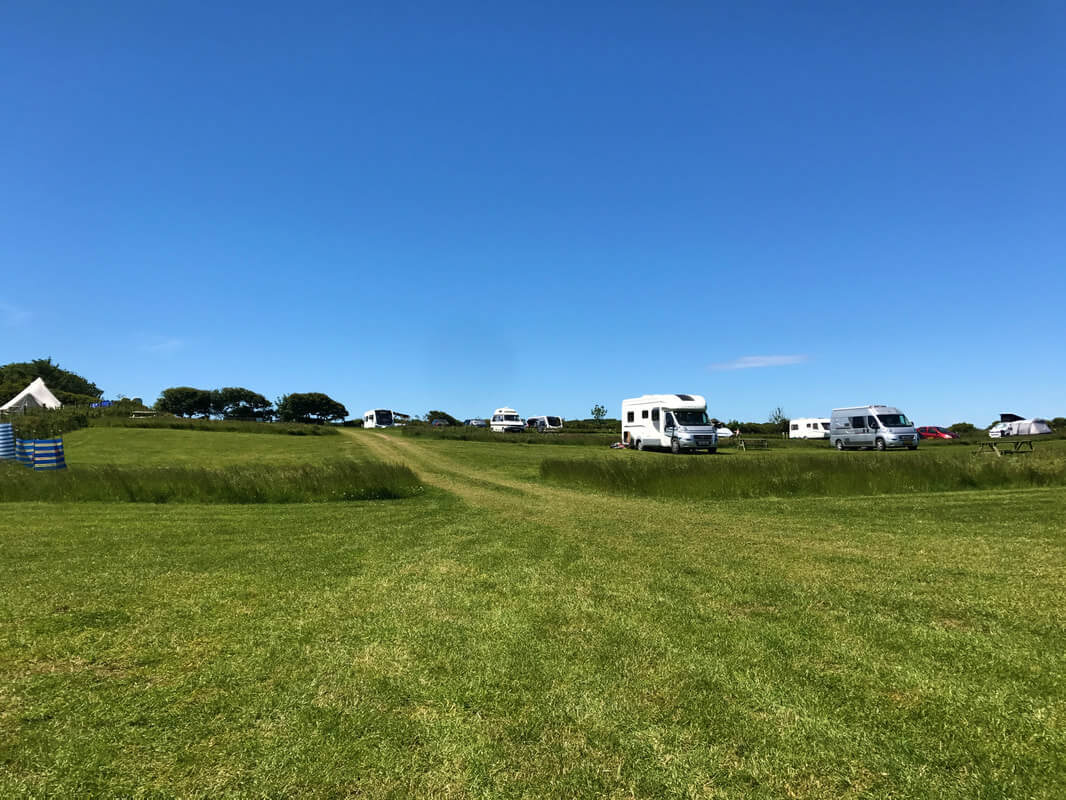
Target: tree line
(239, 403)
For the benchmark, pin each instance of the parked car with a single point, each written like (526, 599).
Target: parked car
(476, 423)
(440, 423)
(936, 432)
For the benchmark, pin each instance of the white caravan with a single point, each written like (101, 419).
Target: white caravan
(879, 427)
(506, 420)
(545, 424)
(676, 421)
(378, 418)
(1013, 425)
(809, 428)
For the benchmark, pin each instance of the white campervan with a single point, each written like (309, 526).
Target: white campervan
(378, 418)
(809, 428)
(879, 427)
(676, 421)
(506, 420)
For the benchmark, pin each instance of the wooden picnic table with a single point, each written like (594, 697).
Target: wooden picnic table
(998, 446)
(752, 444)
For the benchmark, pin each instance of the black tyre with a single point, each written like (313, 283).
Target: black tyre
(912, 447)
(640, 444)
(712, 450)
(879, 445)
(675, 447)
(840, 445)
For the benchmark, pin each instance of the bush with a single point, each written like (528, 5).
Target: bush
(215, 425)
(47, 423)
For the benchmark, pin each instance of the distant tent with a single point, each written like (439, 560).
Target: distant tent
(36, 395)
(1032, 427)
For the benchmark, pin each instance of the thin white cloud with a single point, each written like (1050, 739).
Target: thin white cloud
(12, 316)
(750, 362)
(161, 346)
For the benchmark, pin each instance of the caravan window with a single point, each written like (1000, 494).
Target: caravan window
(795, 427)
(629, 416)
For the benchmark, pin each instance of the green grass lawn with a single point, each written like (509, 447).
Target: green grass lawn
(165, 448)
(500, 636)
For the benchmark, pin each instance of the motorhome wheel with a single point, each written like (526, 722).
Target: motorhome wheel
(840, 445)
(880, 444)
(640, 444)
(675, 446)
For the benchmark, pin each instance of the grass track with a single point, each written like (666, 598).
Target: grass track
(499, 637)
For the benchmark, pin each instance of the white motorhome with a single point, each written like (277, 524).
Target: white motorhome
(809, 428)
(506, 420)
(879, 427)
(675, 421)
(379, 418)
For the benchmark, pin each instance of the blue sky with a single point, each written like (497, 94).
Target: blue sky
(551, 205)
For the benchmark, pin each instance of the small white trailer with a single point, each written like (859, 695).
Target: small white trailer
(675, 421)
(809, 428)
(378, 418)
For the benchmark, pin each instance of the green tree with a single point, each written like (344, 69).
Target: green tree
(778, 421)
(68, 387)
(598, 412)
(236, 402)
(185, 401)
(962, 428)
(444, 415)
(310, 407)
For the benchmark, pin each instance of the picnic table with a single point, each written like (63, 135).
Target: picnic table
(752, 444)
(998, 446)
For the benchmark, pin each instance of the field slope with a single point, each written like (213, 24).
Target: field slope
(499, 635)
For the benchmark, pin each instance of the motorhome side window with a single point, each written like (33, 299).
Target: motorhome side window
(644, 414)
(858, 422)
(629, 416)
(655, 415)
(871, 422)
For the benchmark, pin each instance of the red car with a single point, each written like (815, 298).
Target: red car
(934, 432)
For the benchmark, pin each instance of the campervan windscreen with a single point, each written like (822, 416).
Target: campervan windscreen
(383, 416)
(894, 420)
(511, 418)
(825, 426)
(691, 417)
(555, 422)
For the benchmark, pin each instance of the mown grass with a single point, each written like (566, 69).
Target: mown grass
(800, 474)
(167, 448)
(810, 648)
(247, 483)
(212, 425)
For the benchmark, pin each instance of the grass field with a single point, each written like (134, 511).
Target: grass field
(504, 635)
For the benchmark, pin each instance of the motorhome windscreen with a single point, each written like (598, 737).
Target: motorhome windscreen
(825, 426)
(894, 420)
(555, 422)
(511, 418)
(691, 417)
(383, 416)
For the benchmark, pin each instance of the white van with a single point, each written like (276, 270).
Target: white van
(378, 418)
(879, 427)
(809, 428)
(676, 421)
(545, 424)
(506, 420)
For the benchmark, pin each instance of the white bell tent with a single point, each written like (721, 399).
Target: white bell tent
(36, 395)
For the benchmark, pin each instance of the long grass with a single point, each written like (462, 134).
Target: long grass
(213, 425)
(248, 483)
(802, 474)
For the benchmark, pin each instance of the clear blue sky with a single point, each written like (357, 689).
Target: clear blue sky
(549, 205)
